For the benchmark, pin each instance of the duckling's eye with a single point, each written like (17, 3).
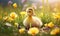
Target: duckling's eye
(29, 11)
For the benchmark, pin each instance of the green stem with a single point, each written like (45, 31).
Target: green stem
(30, 25)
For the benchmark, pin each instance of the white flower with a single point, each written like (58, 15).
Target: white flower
(8, 24)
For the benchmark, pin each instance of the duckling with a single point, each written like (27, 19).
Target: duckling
(31, 19)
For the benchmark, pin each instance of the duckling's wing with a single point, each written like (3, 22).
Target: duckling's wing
(25, 22)
(38, 21)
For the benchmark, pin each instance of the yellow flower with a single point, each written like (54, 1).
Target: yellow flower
(33, 31)
(15, 5)
(45, 25)
(16, 24)
(23, 13)
(50, 24)
(10, 19)
(56, 15)
(5, 18)
(55, 31)
(22, 30)
(13, 15)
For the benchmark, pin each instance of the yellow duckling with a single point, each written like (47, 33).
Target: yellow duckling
(31, 19)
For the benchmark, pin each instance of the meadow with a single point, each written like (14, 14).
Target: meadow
(9, 26)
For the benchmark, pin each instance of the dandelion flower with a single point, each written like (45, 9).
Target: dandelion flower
(16, 24)
(10, 19)
(5, 18)
(13, 15)
(22, 30)
(55, 31)
(56, 16)
(33, 31)
(23, 13)
(51, 25)
(45, 25)
(15, 5)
